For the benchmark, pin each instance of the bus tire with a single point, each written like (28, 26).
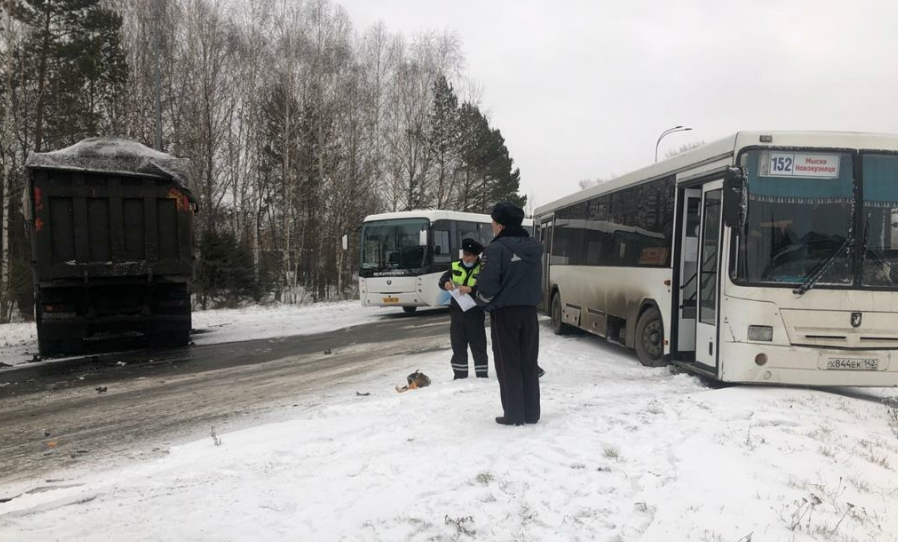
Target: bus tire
(650, 338)
(558, 325)
(409, 310)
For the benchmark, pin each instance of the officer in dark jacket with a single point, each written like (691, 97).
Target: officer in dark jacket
(509, 288)
(466, 328)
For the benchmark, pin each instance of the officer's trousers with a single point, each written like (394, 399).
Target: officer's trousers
(515, 334)
(467, 328)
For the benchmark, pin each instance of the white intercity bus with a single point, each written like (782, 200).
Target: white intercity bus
(404, 254)
(764, 257)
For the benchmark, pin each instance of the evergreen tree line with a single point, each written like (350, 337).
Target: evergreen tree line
(298, 125)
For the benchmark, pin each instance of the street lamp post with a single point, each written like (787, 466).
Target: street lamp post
(666, 132)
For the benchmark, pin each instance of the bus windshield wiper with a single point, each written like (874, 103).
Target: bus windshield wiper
(823, 268)
(875, 256)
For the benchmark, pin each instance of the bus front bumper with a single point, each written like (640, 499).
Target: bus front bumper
(393, 299)
(798, 365)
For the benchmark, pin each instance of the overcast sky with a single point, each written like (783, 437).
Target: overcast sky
(583, 88)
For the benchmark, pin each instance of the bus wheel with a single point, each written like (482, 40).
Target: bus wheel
(650, 339)
(558, 326)
(409, 310)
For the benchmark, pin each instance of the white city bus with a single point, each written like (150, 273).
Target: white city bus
(403, 255)
(764, 257)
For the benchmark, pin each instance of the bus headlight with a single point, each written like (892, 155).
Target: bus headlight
(760, 333)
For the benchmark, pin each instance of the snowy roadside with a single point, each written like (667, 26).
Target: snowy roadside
(622, 453)
(261, 322)
(18, 342)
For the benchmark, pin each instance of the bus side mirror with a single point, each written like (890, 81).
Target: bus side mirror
(735, 197)
(422, 237)
(345, 242)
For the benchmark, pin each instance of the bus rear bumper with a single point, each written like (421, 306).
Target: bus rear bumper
(796, 365)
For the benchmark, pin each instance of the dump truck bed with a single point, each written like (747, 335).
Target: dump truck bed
(111, 225)
(89, 226)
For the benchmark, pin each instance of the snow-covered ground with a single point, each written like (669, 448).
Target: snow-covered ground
(257, 322)
(622, 453)
(18, 342)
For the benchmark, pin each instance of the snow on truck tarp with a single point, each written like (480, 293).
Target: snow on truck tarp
(114, 155)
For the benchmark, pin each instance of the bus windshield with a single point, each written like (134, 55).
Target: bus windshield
(880, 219)
(799, 218)
(393, 244)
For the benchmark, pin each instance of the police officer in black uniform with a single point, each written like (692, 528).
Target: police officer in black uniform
(509, 288)
(466, 328)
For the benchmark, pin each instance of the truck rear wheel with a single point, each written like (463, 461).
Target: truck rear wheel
(170, 339)
(57, 348)
(48, 348)
(650, 339)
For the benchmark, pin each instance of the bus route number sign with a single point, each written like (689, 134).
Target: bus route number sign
(793, 164)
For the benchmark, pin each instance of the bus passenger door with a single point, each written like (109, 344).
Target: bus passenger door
(706, 306)
(689, 237)
(545, 236)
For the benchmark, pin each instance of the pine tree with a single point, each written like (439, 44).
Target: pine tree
(225, 273)
(487, 172)
(474, 134)
(503, 179)
(444, 139)
(81, 69)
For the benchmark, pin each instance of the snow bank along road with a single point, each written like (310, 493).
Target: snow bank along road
(622, 453)
(52, 415)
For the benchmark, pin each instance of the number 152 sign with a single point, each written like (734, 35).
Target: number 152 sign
(793, 164)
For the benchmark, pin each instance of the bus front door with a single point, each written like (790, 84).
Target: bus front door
(689, 237)
(545, 236)
(709, 258)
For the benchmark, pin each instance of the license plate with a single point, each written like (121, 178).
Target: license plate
(852, 364)
(391, 300)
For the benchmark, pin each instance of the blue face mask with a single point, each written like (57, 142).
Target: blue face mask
(468, 265)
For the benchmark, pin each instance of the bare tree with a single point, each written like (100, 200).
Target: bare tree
(7, 149)
(683, 148)
(297, 126)
(589, 183)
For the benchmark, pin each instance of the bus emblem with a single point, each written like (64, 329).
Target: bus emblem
(856, 318)
(390, 283)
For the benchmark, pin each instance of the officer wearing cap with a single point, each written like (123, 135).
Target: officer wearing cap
(509, 288)
(466, 328)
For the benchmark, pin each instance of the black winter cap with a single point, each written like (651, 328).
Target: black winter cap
(508, 214)
(471, 246)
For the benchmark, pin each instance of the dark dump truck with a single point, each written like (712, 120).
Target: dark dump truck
(111, 224)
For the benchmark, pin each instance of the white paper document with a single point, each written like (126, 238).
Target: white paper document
(464, 301)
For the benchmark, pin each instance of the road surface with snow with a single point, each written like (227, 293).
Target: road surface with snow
(622, 453)
(18, 341)
(172, 396)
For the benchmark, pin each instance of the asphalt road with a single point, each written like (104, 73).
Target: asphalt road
(52, 415)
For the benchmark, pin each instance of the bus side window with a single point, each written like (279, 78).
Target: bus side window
(486, 233)
(441, 250)
(465, 230)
